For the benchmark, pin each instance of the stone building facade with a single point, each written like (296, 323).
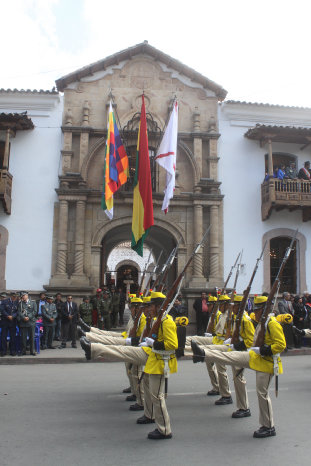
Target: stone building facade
(83, 237)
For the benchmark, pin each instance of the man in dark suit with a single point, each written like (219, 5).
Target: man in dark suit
(69, 322)
(9, 322)
(202, 315)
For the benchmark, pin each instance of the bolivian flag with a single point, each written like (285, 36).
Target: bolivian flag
(142, 200)
(116, 164)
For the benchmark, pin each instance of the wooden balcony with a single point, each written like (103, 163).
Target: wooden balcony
(6, 190)
(286, 194)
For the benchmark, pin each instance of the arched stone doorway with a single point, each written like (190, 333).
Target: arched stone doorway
(159, 239)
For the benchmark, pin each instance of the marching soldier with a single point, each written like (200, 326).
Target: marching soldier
(49, 315)
(27, 317)
(261, 359)
(152, 355)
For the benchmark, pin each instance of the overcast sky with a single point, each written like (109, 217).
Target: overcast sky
(258, 51)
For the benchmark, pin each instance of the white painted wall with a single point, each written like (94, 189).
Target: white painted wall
(241, 171)
(34, 164)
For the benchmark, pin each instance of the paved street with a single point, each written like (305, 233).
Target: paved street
(75, 414)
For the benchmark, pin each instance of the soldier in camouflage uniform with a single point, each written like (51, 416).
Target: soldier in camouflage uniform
(104, 311)
(115, 304)
(95, 302)
(85, 311)
(49, 315)
(27, 317)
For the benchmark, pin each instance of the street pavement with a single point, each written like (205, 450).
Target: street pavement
(75, 414)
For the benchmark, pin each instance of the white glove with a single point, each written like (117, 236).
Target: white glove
(208, 335)
(256, 349)
(128, 341)
(228, 341)
(143, 343)
(231, 346)
(149, 341)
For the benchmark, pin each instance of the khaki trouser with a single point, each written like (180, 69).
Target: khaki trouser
(128, 367)
(153, 385)
(105, 333)
(138, 388)
(307, 332)
(104, 339)
(211, 367)
(263, 379)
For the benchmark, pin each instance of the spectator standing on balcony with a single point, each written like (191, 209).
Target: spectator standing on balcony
(280, 173)
(304, 173)
(291, 172)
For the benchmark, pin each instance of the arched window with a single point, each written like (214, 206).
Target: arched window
(278, 248)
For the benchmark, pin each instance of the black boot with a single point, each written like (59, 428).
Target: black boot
(81, 332)
(86, 346)
(84, 326)
(198, 353)
(263, 432)
(299, 332)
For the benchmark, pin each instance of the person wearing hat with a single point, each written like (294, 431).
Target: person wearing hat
(95, 300)
(148, 355)
(69, 322)
(85, 311)
(9, 322)
(49, 315)
(260, 359)
(104, 311)
(115, 305)
(27, 317)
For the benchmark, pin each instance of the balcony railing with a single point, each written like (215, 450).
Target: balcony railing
(6, 190)
(281, 194)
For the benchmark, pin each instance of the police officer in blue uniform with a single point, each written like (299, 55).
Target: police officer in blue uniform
(9, 322)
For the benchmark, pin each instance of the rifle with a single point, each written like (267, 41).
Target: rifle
(144, 273)
(137, 317)
(215, 307)
(176, 286)
(239, 316)
(167, 267)
(146, 290)
(229, 317)
(264, 316)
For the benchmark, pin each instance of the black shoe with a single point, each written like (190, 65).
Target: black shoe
(2, 354)
(33, 354)
(198, 353)
(136, 407)
(156, 435)
(81, 332)
(263, 432)
(73, 346)
(145, 420)
(84, 326)
(224, 400)
(213, 392)
(299, 332)
(127, 390)
(241, 413)
(13, 354)
(52, 347)
(43, 348)
(86, 346)
(130, 398)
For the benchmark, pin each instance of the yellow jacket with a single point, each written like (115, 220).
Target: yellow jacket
(140, 328)
(247, 330)
(220, 328)
(274, 337)
(167, 334)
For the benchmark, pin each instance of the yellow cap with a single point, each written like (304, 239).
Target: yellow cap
(284, 318)
(260, 299)
(136, 300)
(224, 297)
(157, 295)
(146, 299)
(237, 298)
(252, 315)
(212, 298)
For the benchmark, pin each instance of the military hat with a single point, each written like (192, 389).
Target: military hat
(237, 298)
(156, 297)
(22, 293)
(146, 299)
(259, 301)
(224, 297)
(3, 294)
(50, 297)
(13, 293)
(98, 290)
(212, 299)
(85, 297)
(136, 300)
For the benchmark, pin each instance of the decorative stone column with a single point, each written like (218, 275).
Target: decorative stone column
(61, 266)
(197, 141)
(198, 279)
(214, 246)
(67, 152)
(270, 159)
(79, 241)
(6, 150)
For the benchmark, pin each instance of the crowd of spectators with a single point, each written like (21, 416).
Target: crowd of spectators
(289, 172)
(53, 318)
